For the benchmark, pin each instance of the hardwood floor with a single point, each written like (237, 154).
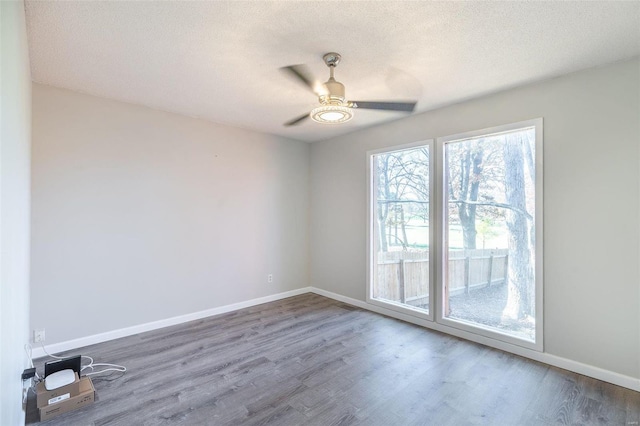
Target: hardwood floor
(309, 360)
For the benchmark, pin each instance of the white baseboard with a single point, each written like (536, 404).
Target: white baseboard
(38, 352)
(564, 363)
(556, 361)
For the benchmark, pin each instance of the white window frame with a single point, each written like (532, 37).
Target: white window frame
(372, 241)
(435, 318)
(478, 329)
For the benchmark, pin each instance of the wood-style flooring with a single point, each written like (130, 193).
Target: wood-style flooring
(309, 360)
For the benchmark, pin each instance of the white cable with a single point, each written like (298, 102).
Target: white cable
(27, 349)
(112, 367)
(45, 351)
(91, 365)
(36, 378)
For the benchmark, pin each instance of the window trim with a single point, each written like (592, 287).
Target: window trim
(371, 242)
(493, 333)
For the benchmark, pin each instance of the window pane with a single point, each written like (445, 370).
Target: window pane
(489, 232)
(401, 228)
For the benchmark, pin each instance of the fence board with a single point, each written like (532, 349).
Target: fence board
(404, 276)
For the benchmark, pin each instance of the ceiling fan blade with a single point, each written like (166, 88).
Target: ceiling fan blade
(386, 106)
(296, 120)
(302, 74)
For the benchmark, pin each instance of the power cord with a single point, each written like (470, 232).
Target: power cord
(91, 365)
(27, 349)
(36, 378)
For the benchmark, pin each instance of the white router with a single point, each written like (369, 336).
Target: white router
(59, 379)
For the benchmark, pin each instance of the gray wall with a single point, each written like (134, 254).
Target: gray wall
(591, 205)
(15, 131)
(141, 215)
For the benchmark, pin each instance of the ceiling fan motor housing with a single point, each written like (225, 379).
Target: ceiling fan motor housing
(334, 93)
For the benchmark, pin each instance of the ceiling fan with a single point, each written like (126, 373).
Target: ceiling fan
(334, 108)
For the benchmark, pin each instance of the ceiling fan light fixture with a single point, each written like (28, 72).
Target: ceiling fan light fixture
(334, 108)
(331, 114)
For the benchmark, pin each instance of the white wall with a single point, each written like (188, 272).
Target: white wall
(591, 205)
(141, 215)
(15, 130)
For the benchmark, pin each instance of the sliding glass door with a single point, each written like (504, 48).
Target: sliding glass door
(470, 257)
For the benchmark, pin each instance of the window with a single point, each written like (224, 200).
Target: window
(481, 236)
(401, 232)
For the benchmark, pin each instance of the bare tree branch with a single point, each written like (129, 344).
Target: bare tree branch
(494, 204)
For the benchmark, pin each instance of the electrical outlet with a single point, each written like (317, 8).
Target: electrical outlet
(38, 335)
(270, 278)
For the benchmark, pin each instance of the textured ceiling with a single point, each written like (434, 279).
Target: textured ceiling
(220, 60)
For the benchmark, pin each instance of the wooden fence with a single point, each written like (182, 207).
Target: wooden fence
(404, 276)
